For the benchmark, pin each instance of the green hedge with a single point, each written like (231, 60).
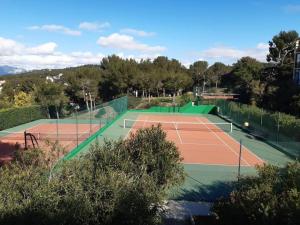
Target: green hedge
(16, 116)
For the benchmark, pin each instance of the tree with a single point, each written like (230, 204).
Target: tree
(247, 72)
(49, 94)
(23, 99)
(5, 102)
(281, 48)
(216, 71)
(197, 70)
(117, 76)
(281, 91)
(270, 198)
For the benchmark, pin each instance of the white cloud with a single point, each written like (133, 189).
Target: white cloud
(9, 47)
(262, 46)
(229, 54)
(56, 28)
(135, 32)
(292, 8)
(93, 26)
(44, 49)
(126, 42)
(42, 56)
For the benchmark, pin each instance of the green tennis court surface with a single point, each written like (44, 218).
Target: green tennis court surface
(203, 182)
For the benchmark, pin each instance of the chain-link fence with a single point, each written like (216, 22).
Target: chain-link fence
(276, 128)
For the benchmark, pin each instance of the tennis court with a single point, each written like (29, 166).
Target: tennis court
(43, 132)
(208, 144)
(199, 140)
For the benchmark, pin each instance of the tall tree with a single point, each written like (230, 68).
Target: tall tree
(216, 71)
(49, 94)
(281, 92)
(247, 72)
(197, 70)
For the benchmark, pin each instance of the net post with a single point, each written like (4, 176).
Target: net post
(230, 127)
(124, 123)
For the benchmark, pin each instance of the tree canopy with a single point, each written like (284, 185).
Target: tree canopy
(269, 85)
(272, 197)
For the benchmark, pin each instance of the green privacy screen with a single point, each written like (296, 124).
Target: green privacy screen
(188, 108)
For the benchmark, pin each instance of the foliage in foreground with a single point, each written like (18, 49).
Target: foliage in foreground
(121, 182)
(272, 197)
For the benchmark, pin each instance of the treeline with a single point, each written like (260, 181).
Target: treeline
(268, 85)
(87, 85)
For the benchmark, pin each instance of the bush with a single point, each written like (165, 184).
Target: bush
(119, 182)
(270, 198)
(15, 116)
(185, 98)
(133, 102)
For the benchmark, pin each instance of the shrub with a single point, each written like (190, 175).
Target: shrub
(15, 116)
(272, 197)
(119, 182)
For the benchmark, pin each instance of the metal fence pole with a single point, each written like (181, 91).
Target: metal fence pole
(76, 117)
(240, 158)
(57, 119)
(278, 127)
(261, 117)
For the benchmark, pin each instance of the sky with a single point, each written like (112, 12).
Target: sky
(37, 34)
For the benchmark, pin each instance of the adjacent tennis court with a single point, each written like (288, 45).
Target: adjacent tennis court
(33, 135)
(199, 140)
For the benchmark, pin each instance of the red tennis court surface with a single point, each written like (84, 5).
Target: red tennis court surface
(45, 133)
(208, 145)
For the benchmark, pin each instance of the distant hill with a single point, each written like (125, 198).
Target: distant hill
(6, 70)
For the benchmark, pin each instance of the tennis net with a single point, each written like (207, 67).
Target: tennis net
(175, 125)
(20, 136)
(61, 136)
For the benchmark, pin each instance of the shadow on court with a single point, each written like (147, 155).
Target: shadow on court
(7, 151)
(207, 193)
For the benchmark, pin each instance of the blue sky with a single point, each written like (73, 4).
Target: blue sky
(54, 34)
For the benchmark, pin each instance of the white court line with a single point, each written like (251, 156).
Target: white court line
(257, 157)
(223, 142)
(178, 135)
(145, 121)
(126, 136)
(193, 143)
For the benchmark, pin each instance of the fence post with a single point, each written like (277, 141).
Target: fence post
(76, 116)
(240, 158)
(57, 119)
(261, 117)
(278, 127)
